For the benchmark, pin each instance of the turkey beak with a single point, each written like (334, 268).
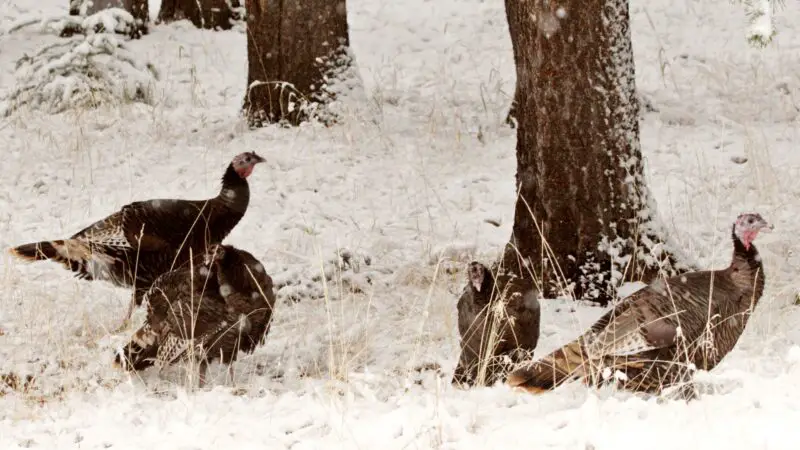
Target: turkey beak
(258, 159)
(768, 227)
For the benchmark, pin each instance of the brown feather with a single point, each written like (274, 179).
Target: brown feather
(496, 327)
(191, 319)
(654, 336)
(144, 239)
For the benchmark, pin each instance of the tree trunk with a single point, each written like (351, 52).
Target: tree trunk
(298, 59)
(209, 14)
(511, 118)
(584, 218)
(513, 29)
(138, 9)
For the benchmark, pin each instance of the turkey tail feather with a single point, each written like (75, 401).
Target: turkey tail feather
(73, 254)
(140, 353)
(562, 365)
(65, 251)
(36, 251)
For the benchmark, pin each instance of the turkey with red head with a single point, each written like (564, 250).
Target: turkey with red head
(144, 239)
(657, 336)
(218, 306)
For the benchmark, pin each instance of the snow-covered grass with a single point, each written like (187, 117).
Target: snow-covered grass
(91, 69)
(405, 185)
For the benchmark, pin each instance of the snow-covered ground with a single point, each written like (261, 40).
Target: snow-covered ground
(406, 183)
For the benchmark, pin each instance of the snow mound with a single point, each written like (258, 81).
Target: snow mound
(83, 72)
(111, 20)
(345, 272)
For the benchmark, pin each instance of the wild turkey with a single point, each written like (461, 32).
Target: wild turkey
(493, 334)
(657, 336)
(158, 234)
(212, 309)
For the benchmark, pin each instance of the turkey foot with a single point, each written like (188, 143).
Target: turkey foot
(230, 373)
(687, 391)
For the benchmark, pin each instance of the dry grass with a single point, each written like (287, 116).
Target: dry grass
(368, 344)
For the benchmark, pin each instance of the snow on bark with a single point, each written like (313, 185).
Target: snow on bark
(342, 84)
(654, 247)
(584, 218)
(300, 64)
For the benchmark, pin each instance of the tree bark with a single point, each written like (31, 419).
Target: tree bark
(511, 118)
(584, 218)
(513, 29)
(209, 14)
(138, 9)
(298, 59)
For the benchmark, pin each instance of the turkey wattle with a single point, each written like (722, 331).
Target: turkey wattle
(655, 335)
(220, 306)
(145, 239)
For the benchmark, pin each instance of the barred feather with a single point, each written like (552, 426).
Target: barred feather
(656, 336)
(144, 239)
(190, 318)
(140, 352)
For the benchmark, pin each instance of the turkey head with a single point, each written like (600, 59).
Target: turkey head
(481, 282)
(747, 227)
(244, 163)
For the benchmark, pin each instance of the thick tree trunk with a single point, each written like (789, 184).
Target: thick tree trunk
(297, 53)
(209, 14)
(138, 9)
(584, 219)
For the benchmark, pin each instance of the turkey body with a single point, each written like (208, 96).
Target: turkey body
(495, 327)
(203, 312)
(144, 239)
(656, 337)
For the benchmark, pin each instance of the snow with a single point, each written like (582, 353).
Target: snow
(761, 29)
(84, 71)
(153, 6)
(362, 350)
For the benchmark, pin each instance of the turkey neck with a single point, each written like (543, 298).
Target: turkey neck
(235, 192)
(746, 268)
(483, 297)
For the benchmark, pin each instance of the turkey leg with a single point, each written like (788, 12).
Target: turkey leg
(131, 307)
(202, 374)
(137, 298)
(127, 320)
